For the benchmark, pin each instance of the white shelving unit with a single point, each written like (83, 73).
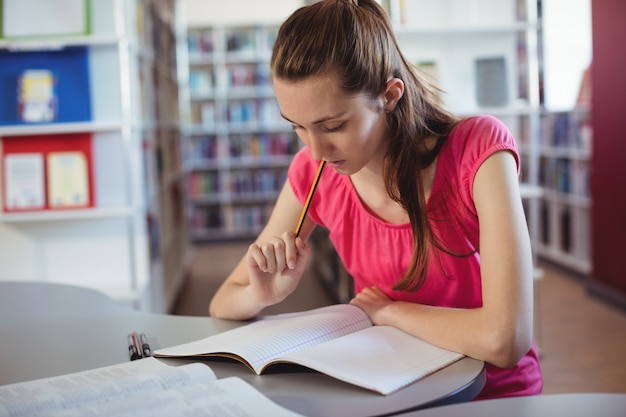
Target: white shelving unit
(565, 175)
(237, 147)
(484, 55)
(132, 244)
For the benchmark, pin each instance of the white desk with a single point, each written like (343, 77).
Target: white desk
(555, 405)
(50, 329)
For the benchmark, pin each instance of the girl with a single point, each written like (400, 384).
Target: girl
(423, 208)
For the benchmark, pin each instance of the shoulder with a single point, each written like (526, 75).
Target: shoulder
(483, 129)
(476, 138)
(470, 143)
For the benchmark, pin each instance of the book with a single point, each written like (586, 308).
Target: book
(339, 341)
(146, 387)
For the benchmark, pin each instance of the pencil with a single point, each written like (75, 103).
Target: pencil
(310, 197)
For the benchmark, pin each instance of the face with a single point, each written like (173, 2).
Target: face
(348, 131)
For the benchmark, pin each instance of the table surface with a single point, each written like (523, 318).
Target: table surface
(554, 405)
(53, 329)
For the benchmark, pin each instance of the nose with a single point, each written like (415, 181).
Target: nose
(317, 144)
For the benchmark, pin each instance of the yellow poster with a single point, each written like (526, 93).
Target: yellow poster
(68, 180)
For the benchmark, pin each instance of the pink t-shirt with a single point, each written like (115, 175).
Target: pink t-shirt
(378, 253)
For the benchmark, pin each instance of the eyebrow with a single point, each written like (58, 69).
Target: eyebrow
(318, 121)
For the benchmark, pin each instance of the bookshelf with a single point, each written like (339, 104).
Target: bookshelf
(119, 94)
(565, 175)
(485, 56)
(237, 147)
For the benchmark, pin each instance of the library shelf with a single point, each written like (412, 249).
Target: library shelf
(66, 215)
(132, 244)
(565, 175)
(237, 147)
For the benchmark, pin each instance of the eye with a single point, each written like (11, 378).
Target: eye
(335, 128)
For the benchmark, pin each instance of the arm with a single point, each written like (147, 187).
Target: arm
(264, 277)
(499, 332)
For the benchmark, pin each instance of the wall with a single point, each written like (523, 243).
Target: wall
(566, 50)
(244, 12)
(609, 147)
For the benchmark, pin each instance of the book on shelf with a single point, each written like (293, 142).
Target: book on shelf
(567, 130)
(241, 40)
(396, 9)
(145, 387)
(200, 82)
(338, 340)
(201, 42)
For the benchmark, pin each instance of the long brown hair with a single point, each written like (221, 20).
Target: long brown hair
(355, 39)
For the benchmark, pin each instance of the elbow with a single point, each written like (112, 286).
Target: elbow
(508, 359)
(505, 351)
(217, 310)
(220, 308)
(213, 311)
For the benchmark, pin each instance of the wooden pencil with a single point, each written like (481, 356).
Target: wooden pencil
(310, 197)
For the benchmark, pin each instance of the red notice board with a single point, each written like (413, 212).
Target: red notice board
(48, 146)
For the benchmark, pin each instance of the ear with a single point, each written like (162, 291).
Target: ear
(393, 93)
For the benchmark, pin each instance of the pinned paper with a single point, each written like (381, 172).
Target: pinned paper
(24, 181)
(37, 102)
(68, 180)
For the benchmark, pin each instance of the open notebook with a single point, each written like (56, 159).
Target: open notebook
(337, 340)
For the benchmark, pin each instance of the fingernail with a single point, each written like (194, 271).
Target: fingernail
(291, 264)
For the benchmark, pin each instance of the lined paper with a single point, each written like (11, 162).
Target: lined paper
(339, 341)
(266, 340)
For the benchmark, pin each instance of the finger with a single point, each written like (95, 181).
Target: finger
(304, 249)
(267, 249)
(291, 249)
(256, 259)
(279, 253)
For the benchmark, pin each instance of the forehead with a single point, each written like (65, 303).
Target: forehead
(312, 98)
(315, 85)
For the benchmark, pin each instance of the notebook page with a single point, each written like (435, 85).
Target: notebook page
(111, 383)
(262, 341)
(221, 398)
(380, 358)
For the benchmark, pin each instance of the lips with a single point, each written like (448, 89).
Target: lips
(335, 164)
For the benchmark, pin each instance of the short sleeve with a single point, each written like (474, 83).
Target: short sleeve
(478, 138)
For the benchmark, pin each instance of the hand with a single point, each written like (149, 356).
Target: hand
(275, 267)
(372, 300)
